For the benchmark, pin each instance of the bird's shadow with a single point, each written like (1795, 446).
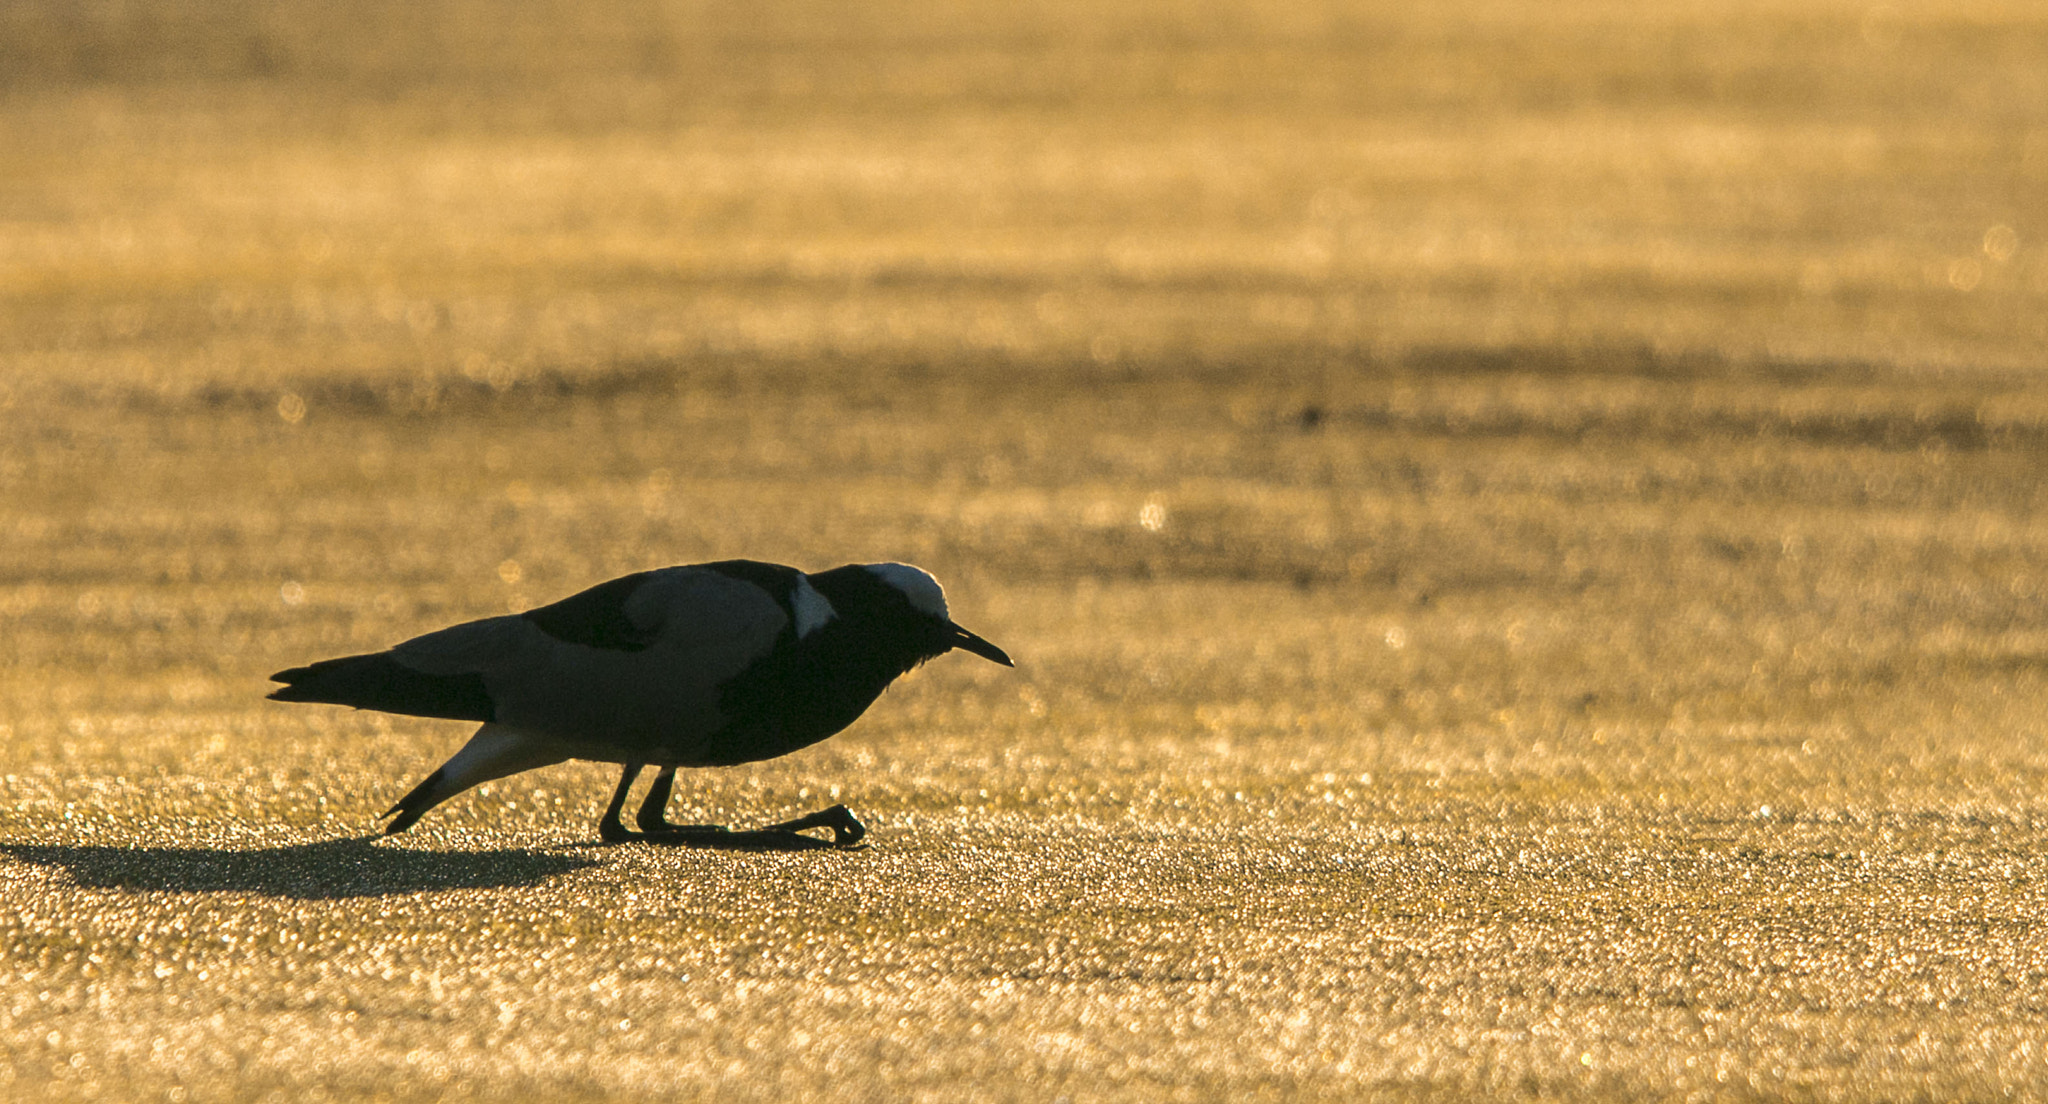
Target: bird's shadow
(330, 870)
(354, 867)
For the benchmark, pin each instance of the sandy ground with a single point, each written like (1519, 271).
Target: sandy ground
(1521, 527)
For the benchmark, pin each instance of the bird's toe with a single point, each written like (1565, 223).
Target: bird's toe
(847, 829)
(686, 834)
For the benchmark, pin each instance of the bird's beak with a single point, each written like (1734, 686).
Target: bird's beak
(968, 642)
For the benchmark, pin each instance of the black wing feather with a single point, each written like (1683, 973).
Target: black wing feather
(595, 617)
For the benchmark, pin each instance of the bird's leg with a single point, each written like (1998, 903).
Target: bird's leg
(609, 829)
(656, 801)
(654, 828)
(847, 829)
(651, 818)
(494, 752)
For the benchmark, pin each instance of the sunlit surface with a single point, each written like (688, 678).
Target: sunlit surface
(1521, 526)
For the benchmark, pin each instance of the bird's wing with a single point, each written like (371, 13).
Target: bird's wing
(471, 648)
(638, 659)
(620, 614)
(630, 614)
(724, 621)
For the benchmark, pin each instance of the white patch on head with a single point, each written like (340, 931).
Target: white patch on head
(812, 609)
(923, 591)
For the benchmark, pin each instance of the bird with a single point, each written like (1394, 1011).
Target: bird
(698, 665)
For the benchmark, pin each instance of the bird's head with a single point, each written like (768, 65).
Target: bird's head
(928, 601)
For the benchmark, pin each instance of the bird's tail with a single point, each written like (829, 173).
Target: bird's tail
(380, 681)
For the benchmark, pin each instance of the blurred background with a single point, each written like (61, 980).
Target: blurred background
(1538, 502)
(241, 194)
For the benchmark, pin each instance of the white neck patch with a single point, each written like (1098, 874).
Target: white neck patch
(924, 592)
(811, 608)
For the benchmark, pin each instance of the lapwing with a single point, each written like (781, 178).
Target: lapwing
(706, 665)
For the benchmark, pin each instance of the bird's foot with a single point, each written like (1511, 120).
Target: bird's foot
(847, 829)
(659, 831)
(685, 833)
(659, 825)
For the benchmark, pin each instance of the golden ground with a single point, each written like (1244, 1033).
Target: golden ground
(1521, 525)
